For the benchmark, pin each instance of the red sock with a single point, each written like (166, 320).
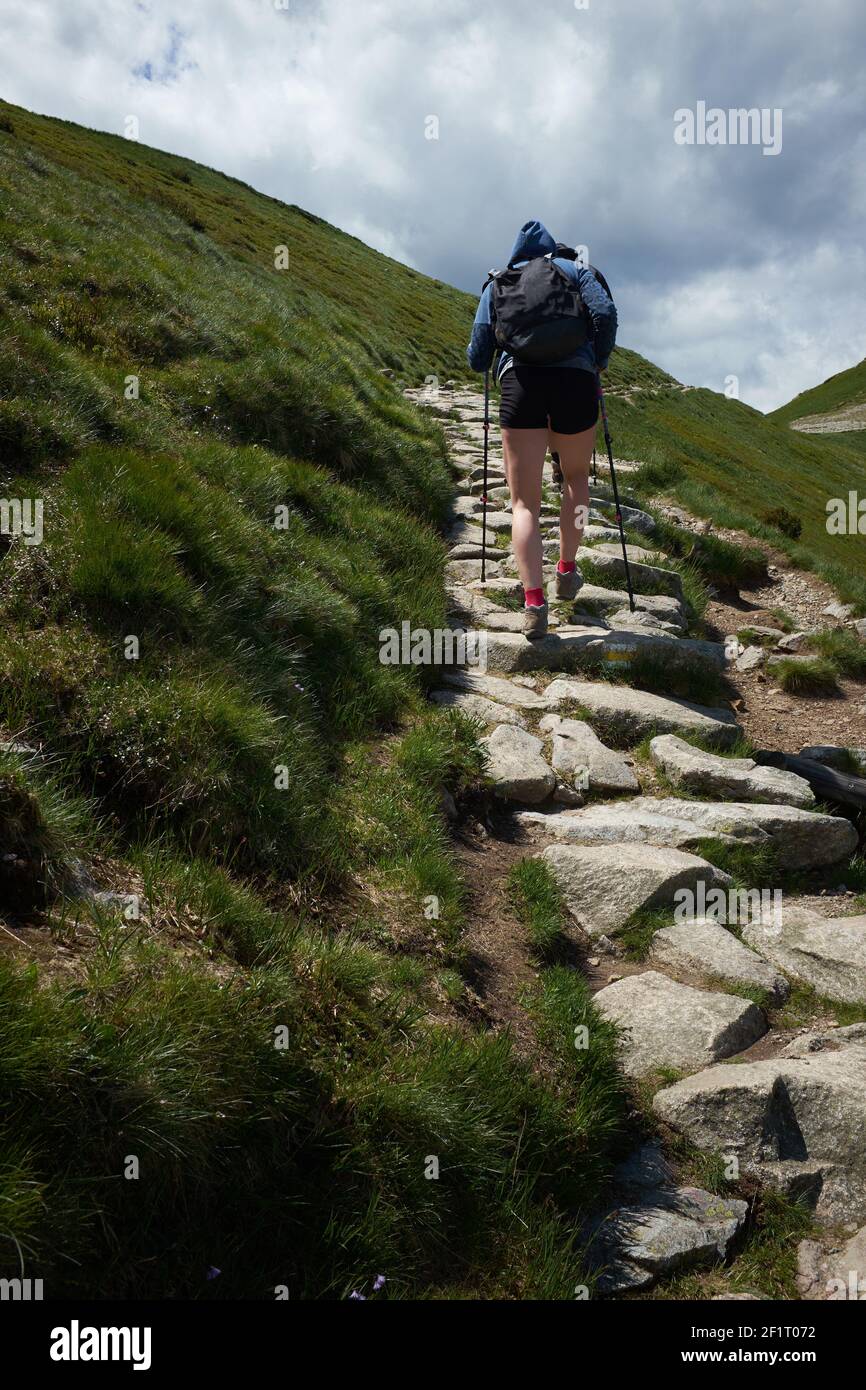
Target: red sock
(566, 566)
(534, 597)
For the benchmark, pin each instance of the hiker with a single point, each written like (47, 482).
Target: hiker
(545, 401)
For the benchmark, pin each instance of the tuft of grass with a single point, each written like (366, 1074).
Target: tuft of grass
(816, 676)
(843, 648)
(538, 904)
(637, 934)
(750, 866)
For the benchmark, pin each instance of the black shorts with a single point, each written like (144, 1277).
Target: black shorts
(563, 398)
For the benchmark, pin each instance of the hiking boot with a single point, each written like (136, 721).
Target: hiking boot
(567, 585)
(535, 621)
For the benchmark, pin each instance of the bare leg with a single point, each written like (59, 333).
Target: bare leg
(524, 452)
(575, 456)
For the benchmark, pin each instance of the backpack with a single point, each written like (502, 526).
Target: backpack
(538, 314)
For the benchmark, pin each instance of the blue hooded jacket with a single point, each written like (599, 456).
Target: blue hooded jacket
(534, 240)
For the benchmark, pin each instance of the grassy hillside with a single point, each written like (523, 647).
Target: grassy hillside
(245, 1062)
(845, 389)
(232, 1078)
(729, 462)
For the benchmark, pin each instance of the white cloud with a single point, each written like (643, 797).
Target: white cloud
(722, 260)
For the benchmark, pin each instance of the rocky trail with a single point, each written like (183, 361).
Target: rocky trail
(747, 1039)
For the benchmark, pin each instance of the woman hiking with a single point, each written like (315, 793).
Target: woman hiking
(553, 403)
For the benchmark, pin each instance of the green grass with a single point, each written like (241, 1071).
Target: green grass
(845, 388)
(538, 904)
(721, 459)
(238, 499)
(843, 648)
(816, 676)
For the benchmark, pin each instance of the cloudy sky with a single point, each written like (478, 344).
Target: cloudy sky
(724, 260)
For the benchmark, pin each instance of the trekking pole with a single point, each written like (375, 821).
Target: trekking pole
(615, 492)
(594, 473)
(484, 484)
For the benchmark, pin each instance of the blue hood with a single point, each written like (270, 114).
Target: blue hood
(533, 240)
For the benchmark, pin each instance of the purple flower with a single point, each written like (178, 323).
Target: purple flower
(355, 1294)
(213, 1273)
(378, 1283)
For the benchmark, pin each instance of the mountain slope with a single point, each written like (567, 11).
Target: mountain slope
(236, 502)
(224, 1073)
(838, 405)
(728, 462)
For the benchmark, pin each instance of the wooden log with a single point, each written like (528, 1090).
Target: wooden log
(826, 783)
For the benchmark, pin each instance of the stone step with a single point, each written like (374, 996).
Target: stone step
(633, 518)
(605, 601)
(637, 554)
(645, 578)
(828, 953)
(795, 1123)
(627, 715)
(727, 779)
(581, 759)
(666, 1229)
(496, 688)
(478, 707)
(800, 839)
(703, 947)
(562, 650)
(667, 1024)
(463, 571)
(604, 885)
(470, 551)
(516, 766)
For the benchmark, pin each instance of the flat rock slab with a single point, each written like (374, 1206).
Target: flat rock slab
(465, 550)
(465, 506)
(648, 578)
(666, 1024)
(637, 554)
(516, 765)
(604, 601)
(828, 953)
(798, 1124)
(477, 707)
(507, 588)
(627, 715)
(668, 1230)
(462, 571)
(704, 947)
(800, 839)
(469, 603)
(626, 621)
(728, 779)
(580, 757)
(603, 885)
(564, 649)
(497, 688)
(830, 1040)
